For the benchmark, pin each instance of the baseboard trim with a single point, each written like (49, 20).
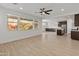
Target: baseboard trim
(25, 37)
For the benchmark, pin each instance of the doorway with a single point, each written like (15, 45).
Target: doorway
(63, 25)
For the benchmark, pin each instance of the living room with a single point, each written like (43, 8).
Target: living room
(41, 29)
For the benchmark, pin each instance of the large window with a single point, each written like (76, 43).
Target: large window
(25, 24)
(12, 23)
(36, 24)
(21, 23)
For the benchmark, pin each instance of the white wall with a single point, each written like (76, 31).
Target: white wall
(51, 23)
(7, 36)
(70, 23)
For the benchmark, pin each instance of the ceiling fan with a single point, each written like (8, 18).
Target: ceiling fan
(44, 11)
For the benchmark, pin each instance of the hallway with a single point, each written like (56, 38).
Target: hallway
(47, 44)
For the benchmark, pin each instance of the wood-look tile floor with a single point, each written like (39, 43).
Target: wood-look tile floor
(47, 44)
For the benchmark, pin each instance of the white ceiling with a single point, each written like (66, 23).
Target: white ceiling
(31, 8)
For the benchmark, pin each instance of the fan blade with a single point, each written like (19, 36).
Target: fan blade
(43, 8)
(41, 12)
(47, 13)
(49, 10)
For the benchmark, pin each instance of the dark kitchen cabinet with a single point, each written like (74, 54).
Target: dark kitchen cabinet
(76, 20)
(75, 35)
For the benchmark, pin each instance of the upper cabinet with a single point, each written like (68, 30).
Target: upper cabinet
(76, 21)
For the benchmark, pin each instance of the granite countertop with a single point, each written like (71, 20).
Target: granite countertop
(59, 29)
(74, 30)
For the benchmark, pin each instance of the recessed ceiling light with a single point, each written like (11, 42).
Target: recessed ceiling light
(21, 8)
(8, 14)
(62, 9)
(44, 20)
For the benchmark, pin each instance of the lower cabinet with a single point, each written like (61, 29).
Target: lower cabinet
(60, 32)
(75, 35)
